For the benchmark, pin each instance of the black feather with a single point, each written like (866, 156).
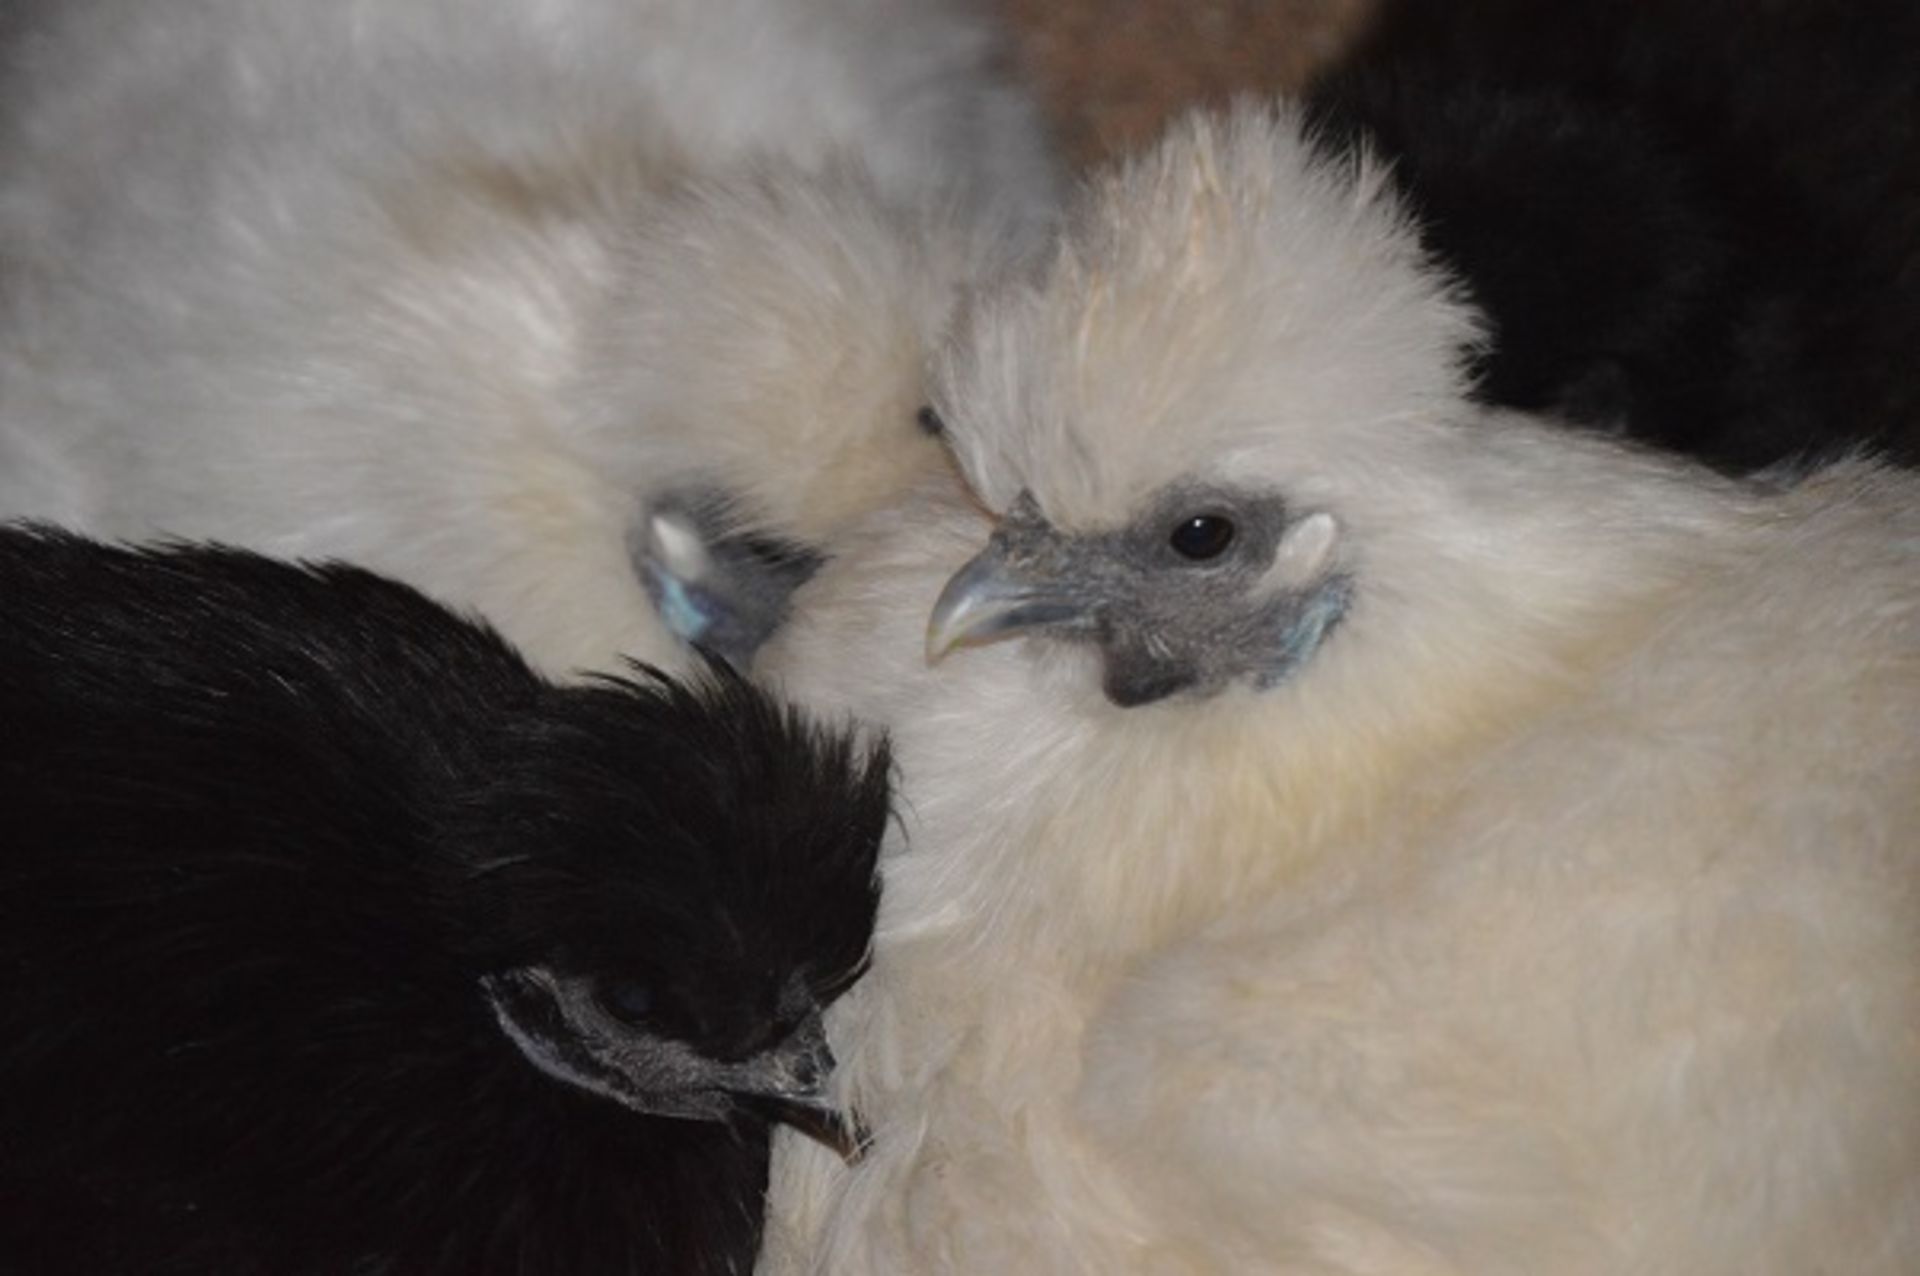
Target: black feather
(267, 827)
(1697, 224)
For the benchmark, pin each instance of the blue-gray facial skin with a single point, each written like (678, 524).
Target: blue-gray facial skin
(1181, 601)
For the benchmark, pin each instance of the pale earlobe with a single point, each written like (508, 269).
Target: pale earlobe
(1304, 551)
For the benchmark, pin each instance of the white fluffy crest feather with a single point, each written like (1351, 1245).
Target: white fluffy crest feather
(1557, 915)
(1212, 270)
(799, 314)
(349, 279)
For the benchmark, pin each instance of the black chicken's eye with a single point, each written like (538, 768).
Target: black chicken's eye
(1202, 537)
(930, 422)
(626, 999)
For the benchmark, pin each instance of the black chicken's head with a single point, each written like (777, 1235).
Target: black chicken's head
(666, 885)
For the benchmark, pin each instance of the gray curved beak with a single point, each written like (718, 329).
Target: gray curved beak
(995, 597)
(789, 1084)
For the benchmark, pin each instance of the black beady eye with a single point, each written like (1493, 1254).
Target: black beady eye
(930, 422)
(626, 999)
(1202, 537)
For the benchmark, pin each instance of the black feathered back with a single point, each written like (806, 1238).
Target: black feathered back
(266, 827)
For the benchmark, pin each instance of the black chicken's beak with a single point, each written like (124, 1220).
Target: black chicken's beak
(821, 1122)
(790, 1083)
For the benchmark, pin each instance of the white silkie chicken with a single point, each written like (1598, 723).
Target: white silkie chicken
(446, 287)
(1376, 833)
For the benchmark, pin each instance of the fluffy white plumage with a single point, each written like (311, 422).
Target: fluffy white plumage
(448, 287)
(1557, 911)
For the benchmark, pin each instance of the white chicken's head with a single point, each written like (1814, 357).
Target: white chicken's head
(757, 377)
(1237, 334)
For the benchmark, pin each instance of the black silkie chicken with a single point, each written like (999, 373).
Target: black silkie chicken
(337, 941)
(1697, 225)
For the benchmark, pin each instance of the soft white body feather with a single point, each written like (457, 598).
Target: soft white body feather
(1560, 914)
(350, 279)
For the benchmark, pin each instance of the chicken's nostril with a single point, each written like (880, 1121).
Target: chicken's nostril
(812, 1067)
